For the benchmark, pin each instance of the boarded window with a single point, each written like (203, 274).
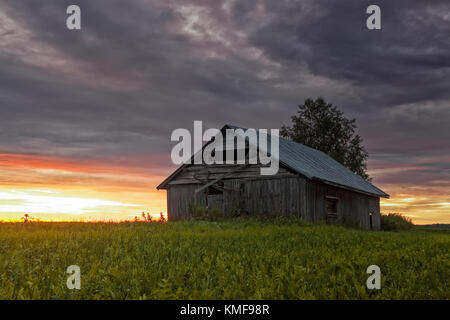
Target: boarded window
(332, 204)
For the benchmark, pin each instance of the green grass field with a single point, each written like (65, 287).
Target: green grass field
(241, 259)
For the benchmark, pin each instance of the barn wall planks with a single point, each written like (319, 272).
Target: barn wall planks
(245, 190)
(178, 198)
(352, 207)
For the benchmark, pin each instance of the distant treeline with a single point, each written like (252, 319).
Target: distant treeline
(436, 226)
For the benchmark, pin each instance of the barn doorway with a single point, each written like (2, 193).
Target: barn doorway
(370, 220)
(332, 205)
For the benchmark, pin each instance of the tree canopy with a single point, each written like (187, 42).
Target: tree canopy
(322, 126)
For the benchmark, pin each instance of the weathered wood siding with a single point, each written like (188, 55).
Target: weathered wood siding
(201, 173)
(278, 194)
(287, 193)
(352, 207)
(178, 198)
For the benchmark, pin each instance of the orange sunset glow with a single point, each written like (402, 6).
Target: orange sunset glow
(425, 203)
(59, 190)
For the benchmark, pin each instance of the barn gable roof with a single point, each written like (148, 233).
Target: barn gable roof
(314, 165)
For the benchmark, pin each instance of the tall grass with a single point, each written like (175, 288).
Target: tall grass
(239, 259)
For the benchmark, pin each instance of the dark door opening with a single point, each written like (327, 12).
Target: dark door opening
(370, 221)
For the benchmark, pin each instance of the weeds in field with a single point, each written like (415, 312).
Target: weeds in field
(395, 222)
(27, 218)
(243, 258)
(198, 212)
(146, 217)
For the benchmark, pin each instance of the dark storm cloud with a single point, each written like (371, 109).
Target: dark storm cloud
(139, 69)
(408, 58)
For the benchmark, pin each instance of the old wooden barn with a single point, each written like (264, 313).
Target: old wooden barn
(309, 184)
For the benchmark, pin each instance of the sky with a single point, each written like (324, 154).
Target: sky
(86, 115)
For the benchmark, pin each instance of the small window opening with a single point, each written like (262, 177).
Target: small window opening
(332, 208)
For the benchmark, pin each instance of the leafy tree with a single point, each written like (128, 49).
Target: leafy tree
(322, 126)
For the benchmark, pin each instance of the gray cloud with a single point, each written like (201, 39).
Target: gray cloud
(139, 69)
